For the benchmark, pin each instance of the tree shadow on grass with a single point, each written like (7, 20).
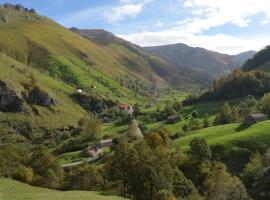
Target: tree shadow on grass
(242, 127)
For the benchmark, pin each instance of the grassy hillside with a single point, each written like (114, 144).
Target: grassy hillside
(46, 45)
(35, 119)
(231, 136)
(13, 190)
(232, 143)
(136, 57)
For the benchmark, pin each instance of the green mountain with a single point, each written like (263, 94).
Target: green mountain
(183, 78)
(52, 76)
(202, 60)
(261, 61)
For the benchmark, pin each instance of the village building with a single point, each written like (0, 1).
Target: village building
(126, 107)
(105, 143)
(254, 118)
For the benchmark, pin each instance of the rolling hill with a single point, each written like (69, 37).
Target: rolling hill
(205, 61)
(44, 65)
(13, 190)
(232, 143)
(260, 61)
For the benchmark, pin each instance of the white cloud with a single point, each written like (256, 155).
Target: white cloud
(213, 13)
(219, 42)
(205, 15)
(128, 8)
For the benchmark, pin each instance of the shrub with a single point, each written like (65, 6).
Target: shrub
(24, 174)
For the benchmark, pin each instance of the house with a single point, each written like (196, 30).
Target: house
(126, 107)
(105, 143)
(254, 118)
(173, 119)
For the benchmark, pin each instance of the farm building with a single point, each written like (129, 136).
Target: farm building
(105, 143)
(173, 119)
(126, 107)
(254, 118)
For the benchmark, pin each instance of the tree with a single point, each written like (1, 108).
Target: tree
(84, 177)
(206, 122)
(194, 124)
(24, 174)
(184, 188)
(220, 185)
(224, 116)
(90, 128)
(134, 131)
(199, 149)
(120, 166)
(252, 170)
(266, 103)
(248, 106)
(158, 138)
(137, 110)
(261, 188)
(47, 171)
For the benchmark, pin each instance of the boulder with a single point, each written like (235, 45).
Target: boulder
(32, 11)
(9, 6)
(19, 7)
(5, 18)
(41, 98)
(10, 101)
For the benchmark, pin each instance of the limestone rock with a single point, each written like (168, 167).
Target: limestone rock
(10, 101)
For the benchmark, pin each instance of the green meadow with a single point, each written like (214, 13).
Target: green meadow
(13, 190)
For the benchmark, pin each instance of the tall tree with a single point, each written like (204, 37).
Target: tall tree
(200, 149)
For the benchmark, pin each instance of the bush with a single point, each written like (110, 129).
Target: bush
(24, 174)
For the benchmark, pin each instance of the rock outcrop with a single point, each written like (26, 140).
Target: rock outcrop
(92, 103)
(41, 98)
(10, 101)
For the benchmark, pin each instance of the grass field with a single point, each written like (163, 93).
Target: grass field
(13, 190)
(232, 143)
(231, 136)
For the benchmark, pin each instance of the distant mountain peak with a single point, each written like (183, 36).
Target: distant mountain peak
(209, 62)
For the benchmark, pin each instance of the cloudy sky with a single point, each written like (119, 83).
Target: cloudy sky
(229, 26)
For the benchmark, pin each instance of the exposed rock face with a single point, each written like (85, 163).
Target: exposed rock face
(92, 103)
(41, 98)
(18, 7)
(5, 18)
(9, 100)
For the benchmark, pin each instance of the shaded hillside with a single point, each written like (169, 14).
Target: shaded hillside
(209, 62)
(239, 84)
(261, 60)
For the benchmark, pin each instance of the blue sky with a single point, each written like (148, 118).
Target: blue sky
(229, 26)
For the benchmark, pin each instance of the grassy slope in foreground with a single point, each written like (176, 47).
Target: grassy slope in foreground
(13, 190)
(231, 136)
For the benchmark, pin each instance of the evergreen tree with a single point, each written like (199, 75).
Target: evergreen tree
(200, 149)
(206, 122)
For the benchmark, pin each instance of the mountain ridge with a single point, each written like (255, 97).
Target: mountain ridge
(210, 62)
